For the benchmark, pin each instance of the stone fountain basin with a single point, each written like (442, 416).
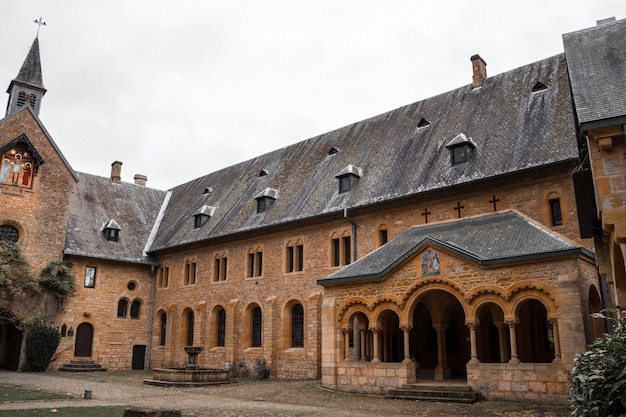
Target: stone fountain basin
(182, 377)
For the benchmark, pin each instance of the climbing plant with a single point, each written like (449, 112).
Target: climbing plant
(15, 275)
(41, 343)
(58, 278)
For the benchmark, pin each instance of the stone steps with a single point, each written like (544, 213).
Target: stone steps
(82, 366)
(440, 393)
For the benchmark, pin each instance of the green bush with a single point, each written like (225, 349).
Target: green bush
(58, 278)
(41, 343)
(261, 368)
(598, 376)
(238, 369)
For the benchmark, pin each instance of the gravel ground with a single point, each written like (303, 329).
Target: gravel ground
(248, 397)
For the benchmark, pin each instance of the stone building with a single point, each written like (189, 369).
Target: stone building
(438, 240)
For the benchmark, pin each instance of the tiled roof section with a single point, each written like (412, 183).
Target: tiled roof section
(596, 58)
(30, 73)
(490, 239)
(98, 200)
(512, 129)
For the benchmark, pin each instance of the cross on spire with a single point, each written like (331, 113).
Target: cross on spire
(493, 201)
(40, 23)
(425, 214)
(458, 208)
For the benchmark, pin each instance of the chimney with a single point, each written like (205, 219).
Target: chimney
(479, 69)
(605, 21)
(116, 172)
(141, 179)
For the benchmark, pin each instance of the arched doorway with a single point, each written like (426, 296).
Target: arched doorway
(439, 339)
(10, 341)
(84, 341)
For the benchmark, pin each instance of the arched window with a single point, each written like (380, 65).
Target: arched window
(257, 327)
(135, 309)
(122, 308)
(221, 328)
(162, 329)
(190, 319)
(297, 326)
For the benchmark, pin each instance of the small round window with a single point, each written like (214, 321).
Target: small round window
(9, 233)
(132, 285)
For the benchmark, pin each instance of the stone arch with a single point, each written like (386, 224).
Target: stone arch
(418, 290)
(534, 332)
(383, 303)
(359, 343)
(619, 271)
(492, 334)
(439, 337)
(217, 326)
(347, 307)
(390, 336)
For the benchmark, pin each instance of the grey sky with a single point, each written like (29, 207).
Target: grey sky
(178, 89)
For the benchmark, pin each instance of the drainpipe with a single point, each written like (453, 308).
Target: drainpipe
(150, 317)
(345, 216)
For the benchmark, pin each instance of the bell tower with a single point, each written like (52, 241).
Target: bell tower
(27, 88)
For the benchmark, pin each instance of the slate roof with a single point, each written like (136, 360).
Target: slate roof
(30, 73)
(596, 58)
(486, 240)
(513, 130)
(96, 202)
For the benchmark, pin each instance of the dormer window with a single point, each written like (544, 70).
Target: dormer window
(460, 149)
(202, 216)
(111, 231)
(348, 177)
(265, 199)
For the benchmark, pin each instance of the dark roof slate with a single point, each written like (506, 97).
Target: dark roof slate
(596, 58)
(486, 240)
(30, 73)
(135, 209)
(512, 129)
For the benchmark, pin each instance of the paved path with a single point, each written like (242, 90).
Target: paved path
(247, 398)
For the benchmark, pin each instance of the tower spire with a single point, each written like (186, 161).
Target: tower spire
(27, 88)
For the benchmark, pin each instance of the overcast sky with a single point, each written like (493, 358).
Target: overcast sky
(208, 84)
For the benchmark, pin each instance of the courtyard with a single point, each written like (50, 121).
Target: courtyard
(248, 397)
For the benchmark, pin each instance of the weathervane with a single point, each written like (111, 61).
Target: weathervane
(41, 23)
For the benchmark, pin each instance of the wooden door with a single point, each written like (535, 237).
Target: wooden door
(84, 340)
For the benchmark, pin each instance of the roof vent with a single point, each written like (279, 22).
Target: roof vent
(263, 173)
(423, 123)
(333, 150)
(207, 190)
(539, 87)
(141, 179)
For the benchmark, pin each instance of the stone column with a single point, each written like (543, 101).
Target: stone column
(442, 371)
(407, 351)
(557, 341)
(474, 352)
(346, 344)
(502, 338)
(376, 358)
(363, 345)
(513, 337)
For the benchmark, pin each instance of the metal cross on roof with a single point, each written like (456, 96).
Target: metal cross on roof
(40, 23)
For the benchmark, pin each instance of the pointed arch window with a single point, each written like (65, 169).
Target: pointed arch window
(163, 329)
(221, 328)
(135, 309)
